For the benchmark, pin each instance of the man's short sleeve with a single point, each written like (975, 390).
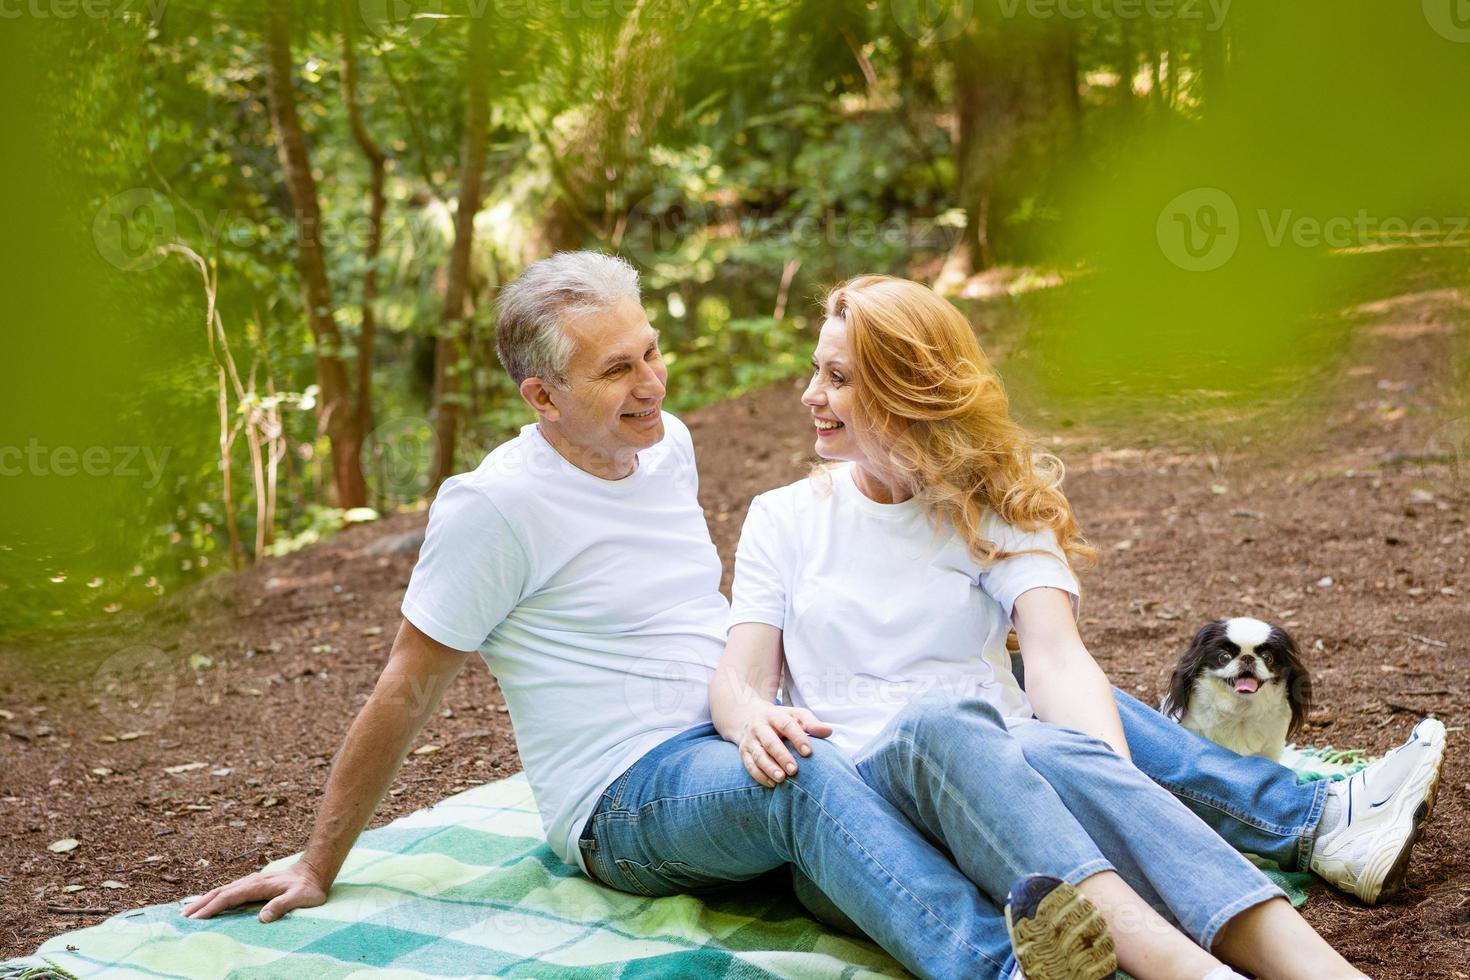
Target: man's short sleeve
(471, 569)
(758, 594)
(1005, 580)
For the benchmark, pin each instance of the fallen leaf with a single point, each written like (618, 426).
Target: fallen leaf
(110, 883)
(373, 631)
(102, 771)
(129, 736)
(425, 749)
(186, 767)
(199, 661)
(63, 845)
(322, 648)
(7, 715)
(221, 772)
(72, 888)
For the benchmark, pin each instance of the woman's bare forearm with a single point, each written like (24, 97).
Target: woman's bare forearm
(748, 677)
(1076, 694)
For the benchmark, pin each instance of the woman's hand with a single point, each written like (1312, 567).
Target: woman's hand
(760, 740)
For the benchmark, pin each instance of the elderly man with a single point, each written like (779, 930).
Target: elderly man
(575, 559)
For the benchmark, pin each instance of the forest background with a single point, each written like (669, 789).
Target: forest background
(252, 249)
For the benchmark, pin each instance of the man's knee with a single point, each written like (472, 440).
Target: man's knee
(940, 717)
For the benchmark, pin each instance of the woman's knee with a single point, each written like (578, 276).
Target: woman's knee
(1044, 743)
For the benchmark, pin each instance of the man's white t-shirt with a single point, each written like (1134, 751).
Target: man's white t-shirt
(594, 602)
(877, 608)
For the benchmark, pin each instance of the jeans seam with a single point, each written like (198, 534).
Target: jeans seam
(1245, 818)
(940, 920)
(1219, 920)
(1307, 838)
(667, 798)
(1085, 871)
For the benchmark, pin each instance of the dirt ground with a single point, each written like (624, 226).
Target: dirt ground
(1340, 513)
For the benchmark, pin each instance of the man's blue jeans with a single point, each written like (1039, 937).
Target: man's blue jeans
(916, 843)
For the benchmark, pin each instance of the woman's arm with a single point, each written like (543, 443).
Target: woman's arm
(742, 699)
(1065, 685)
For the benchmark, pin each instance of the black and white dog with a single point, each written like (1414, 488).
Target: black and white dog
(1241, 684)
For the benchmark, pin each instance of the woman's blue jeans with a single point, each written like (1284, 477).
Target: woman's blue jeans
(916, 843)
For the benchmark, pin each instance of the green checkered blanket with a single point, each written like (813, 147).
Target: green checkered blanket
(469, 887)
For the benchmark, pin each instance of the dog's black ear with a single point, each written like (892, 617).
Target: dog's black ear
(1181, 682)
(1298, 682)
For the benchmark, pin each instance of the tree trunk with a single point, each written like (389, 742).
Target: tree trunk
(337, 414)
(449, 352)
(1017, 114)
(377, 166)
(1212, 67)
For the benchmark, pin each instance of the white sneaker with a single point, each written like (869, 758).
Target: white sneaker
(1384, 810)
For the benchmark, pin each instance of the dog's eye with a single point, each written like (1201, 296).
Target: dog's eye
(1268, 658)
(1222, 657)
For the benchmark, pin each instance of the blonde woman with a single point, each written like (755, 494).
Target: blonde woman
(884, 587)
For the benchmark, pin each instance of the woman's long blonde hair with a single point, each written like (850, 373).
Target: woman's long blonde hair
(935, 418)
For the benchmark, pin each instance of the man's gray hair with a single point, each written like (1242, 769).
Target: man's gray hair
(529, 336)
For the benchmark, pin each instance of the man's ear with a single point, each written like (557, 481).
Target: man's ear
(541, 398)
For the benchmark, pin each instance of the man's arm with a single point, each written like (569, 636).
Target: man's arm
(1064, 683)
(418, 672)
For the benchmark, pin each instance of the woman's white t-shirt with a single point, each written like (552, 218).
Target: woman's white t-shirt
(877, 608)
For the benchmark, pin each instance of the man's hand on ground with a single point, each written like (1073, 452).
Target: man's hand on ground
(282, 891)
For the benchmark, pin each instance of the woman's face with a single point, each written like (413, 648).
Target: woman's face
(831, 398)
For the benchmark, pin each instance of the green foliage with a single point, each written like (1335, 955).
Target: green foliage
(745, 154)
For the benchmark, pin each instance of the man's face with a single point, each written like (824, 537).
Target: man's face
(610, 406)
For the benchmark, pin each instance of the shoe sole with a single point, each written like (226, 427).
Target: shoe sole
(1393, 879)
(1393, 882)
(1066, 939)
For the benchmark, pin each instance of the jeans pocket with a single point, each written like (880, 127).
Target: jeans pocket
(668, 878)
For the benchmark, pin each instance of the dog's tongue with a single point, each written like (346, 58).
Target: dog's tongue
(1246, 685)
